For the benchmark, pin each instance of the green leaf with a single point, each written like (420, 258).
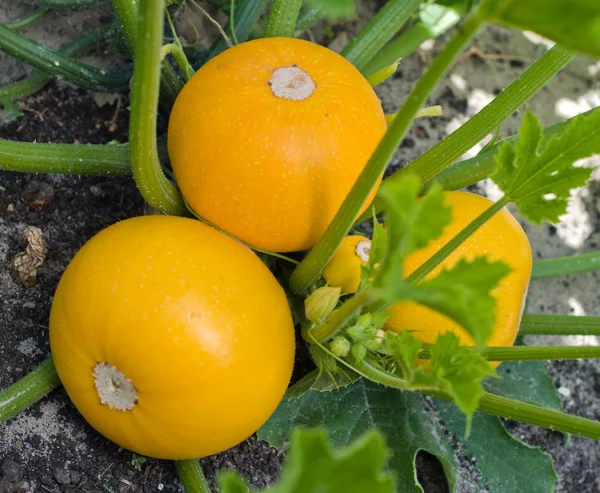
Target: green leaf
(574, 24)
(314, 466)
(463, 293)
(526, 381)
(334, 9)
(453, 368)
(539, 181)
(411, 222)
(506, 464)
(347, 413)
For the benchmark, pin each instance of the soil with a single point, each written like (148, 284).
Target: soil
(50, 447)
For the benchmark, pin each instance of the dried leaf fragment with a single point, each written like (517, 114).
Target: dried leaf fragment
(25, 265)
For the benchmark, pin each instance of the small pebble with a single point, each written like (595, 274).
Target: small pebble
(62, 476)
(37, 194)
(564, 391)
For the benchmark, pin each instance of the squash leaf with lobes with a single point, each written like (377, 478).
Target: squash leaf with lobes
(539, 180)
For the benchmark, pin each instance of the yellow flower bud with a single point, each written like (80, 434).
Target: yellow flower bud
(321, 303)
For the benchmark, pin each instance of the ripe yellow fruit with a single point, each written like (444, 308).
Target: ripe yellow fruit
(344, 268)
(267, 139)
(501, 238)
(172, 339)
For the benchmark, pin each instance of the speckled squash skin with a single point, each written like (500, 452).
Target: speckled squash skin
(269, 170)
(191, 317)
(501, 238)
(344, 268)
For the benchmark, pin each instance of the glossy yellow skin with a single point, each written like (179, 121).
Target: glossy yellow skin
(192, 317)
(344, 268)
(501, 238)
(269, 170)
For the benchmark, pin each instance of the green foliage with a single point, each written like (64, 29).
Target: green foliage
(334, 9)
(462, 293)
(574, 24)
(539, 180)
(348, 413)
(455, 369)
(506, 464)
(12, 110)
(527, 381)
(137, 461)
(314, 466)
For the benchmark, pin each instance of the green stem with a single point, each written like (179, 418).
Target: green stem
(71, 159)
(191, 476)
(563, 266)
(282, 18)
(339, 317)
(534, 324)
(399, 48)
(310, 268)
(56, 63)
(473, 131)
(247, 13)
(28, 390)
(502, 407)
(455, 242)
(529, 353)
(156, 189)
(482, 166)
(38, 79)
(127, 15)
(27, 19)
(387, 22)
(180, 59)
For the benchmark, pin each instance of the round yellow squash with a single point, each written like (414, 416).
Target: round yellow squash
(172, 339)
(267, 139)
(501, 238)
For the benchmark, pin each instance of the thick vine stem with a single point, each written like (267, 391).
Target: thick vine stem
(191, 476)
(28, 390)
(500, 406)
(310, 268)
(450, 149)
(282, 18)
(538, 324)
(38, 79)
(443, 253)
(56, 63)
(387, 22)
(156, 189)
(27, 19)
(530, 353)
(71, 159)
(127, 15)
(563, 266)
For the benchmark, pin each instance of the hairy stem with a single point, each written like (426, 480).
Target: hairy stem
(529, 353)
(502, 407)
(455, 242)
(156, 189)
(28, 390)
(533, 324)
(563, 266)
(468, 135)
(56, 63)
(310, 268)
(191, 476)
(387, 22)
(282, 18)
